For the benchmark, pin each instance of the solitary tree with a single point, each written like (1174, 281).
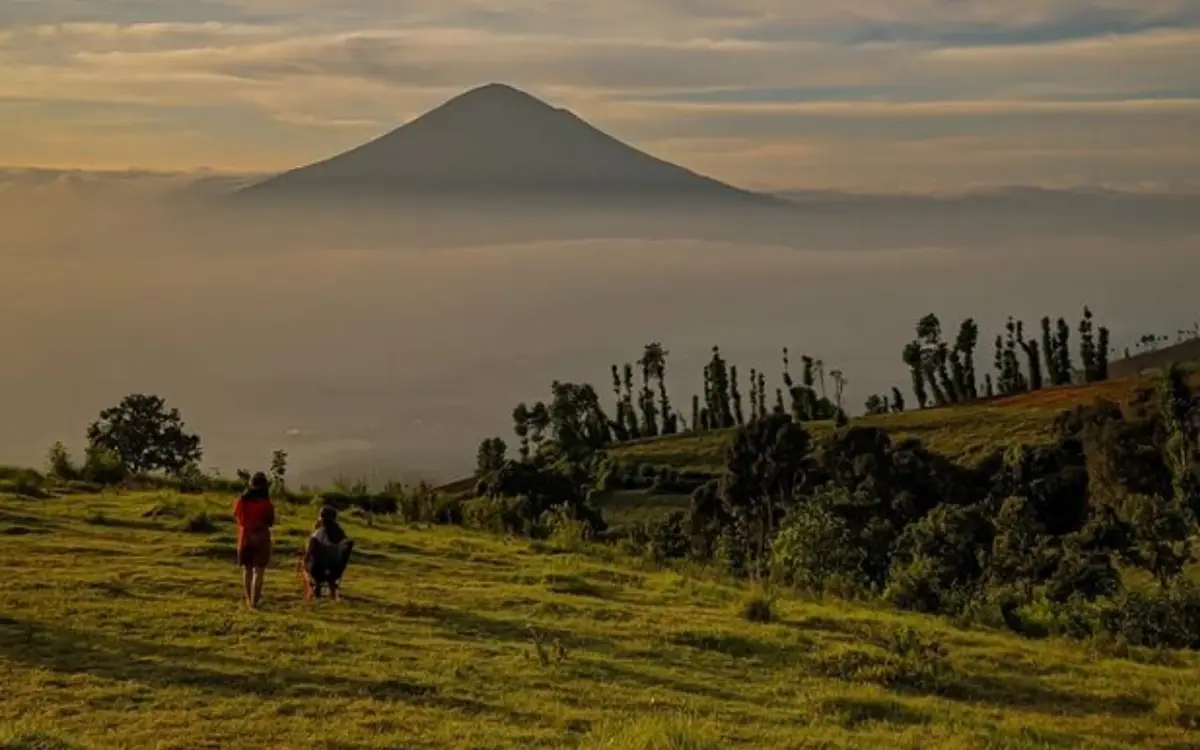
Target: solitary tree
(897, 400)
(145, 435)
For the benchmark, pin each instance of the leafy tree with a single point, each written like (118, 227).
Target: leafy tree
(577, 420)
(839, 386)
(876, 404)
(145, 435)
(765, 466)
(719, 407)
(653, 364)
(912, 358)
(59, 464)
(491, 457)
(520, 417)
(279, 462)
(631, 420)
(897, 400)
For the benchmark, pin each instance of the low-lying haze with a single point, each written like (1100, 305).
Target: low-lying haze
(392, 342)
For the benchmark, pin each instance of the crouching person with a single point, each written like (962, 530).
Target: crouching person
(327, 555)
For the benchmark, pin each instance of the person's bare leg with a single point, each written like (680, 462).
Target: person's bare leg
(258, 584)
(248, 585)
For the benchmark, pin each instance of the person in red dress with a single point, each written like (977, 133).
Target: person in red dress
(255, 514)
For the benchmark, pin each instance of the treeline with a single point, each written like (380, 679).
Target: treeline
(944, 373)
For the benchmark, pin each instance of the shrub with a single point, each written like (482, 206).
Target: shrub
(814, 545)
(199, 523)
(758, 606)
(103, 467)
(1160, 617)
(59, 464)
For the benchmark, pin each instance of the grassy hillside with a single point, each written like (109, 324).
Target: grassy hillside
(122, 628)
(967, 434)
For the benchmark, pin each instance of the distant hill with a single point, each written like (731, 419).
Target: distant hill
(495, 143)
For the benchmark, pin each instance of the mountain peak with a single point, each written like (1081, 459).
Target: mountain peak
(496, 141)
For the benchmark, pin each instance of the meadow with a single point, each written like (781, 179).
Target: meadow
(121, 627)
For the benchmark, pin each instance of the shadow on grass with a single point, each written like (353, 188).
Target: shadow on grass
(66, 651)
(852, 712)
(471, 626)
(36, 741)
(612, 671)
(737, 646)
(1014, 692)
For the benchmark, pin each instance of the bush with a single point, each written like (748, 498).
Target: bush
(1161, 617)
(199, 523)
(59, 464)
(103, 467)
(500, 515)
(814, 546)
(758, 606)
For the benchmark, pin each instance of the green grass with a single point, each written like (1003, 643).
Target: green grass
(120, 628)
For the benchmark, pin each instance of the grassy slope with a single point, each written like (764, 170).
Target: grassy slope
(966, 434)
(119, 631)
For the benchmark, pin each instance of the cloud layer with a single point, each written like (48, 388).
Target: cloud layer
(865, 94)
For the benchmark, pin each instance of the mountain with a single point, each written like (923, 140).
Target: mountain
(496, 142)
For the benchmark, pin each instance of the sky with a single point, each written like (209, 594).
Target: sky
(866, 95)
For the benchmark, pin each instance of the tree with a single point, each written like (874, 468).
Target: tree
(520, 417)
(876, 404)
(1049, 347)
(145, 435)
(279, 460)
(912, 358)
(1102, 352)
(736, 396)
(697, 426)
(1087, 346)
(719, 409)
(491, 457)
(897, 400)
(964, 359)
(653, 364)
(754, 394)
(1063, 349)
(839, 385)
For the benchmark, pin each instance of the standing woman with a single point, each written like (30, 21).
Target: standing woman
(255, 516)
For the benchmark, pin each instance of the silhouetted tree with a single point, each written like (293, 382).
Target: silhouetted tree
(650, 362)
(620, 429)
(754, 414)
(1049, 349)
(762, 395)
(897, 400)
(964, 359)
(989, 391)
(912, 358)
(145, 435)
(491, 456)
(736, 396)
(631, 418)
(876, 404)
(520, 417)
(697, 425)
(1064, 351)
(719, 409)
(1087, 346)
(1102, 352)
(779, 407)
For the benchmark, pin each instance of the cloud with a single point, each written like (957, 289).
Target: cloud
(713, 69)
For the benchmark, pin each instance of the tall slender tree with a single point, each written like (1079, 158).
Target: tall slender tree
(762, 395)
(1102, 353)
(735, 395)
(620, 429)
(1064, 352)
(754, 413)
(897, 400)
(1087, 346)
(964, 346)
(520, 417)
(631, 418)
(1049, 347)
(912, 358)
(697, 425)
